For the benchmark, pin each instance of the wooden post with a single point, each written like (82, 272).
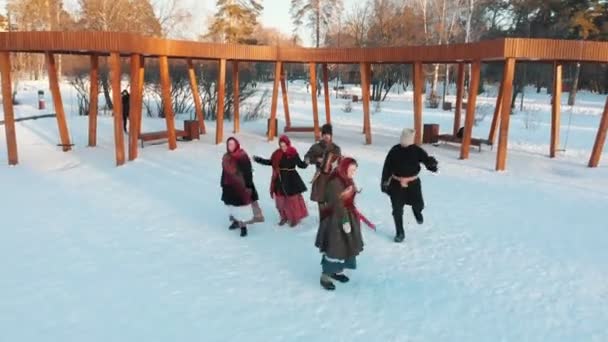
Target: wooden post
(119, 142)
(221, 90)
(165, 82)
(326, 92)
(556, 108)
(198, 106)
(313, 92)
(58, 103)
(235, 91)
(505, 115)
(365, 70)
(285, 98)
(465, 145)
(418, 83)
(135, 99)
(272, 128)
(600, 139)
(140, 104)
(497, 111)
(7, 104)
(93, 100)
(459, 94)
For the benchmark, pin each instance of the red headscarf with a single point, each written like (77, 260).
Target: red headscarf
(276, 157)
(230, 163)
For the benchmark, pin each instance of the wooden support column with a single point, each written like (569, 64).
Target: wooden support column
(459, 94)
(556, 105)
(418, 83)
(93, 100)
(505, 115)
(165, 83)
(313, 92)
(198, 106)
(221, 93)
(600, 139)
(285, 98)
(119, 142)
(236, 96)
(135, 105)
(365, 70)
(465, 145)
(7, 104)
(497, 111)
(275, 98)
(57, 102)
(326, 93)
(139, 109)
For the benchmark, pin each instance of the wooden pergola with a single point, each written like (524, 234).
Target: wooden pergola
(138, 48)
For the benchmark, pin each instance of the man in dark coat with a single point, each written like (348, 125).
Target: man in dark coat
(325, 155)
(400, 179)
(126, 99)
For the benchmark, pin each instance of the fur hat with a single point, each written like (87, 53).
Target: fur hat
(326, 129)
(407, 137)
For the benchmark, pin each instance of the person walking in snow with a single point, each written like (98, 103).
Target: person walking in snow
(339, 236)
(400, 179)
(324, 154)
(238, 190)
(286, 186)
(126, 102)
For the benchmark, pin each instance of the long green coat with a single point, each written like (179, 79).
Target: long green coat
(332, 240)
(320, 150)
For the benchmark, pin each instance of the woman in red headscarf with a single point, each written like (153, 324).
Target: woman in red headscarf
(339, 237)
(286, 186)
(238, 190)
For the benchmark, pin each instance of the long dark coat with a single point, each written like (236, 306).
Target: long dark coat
(322, 150)
(405, 162)
(331, 238)
(237, 180)
(288, 182)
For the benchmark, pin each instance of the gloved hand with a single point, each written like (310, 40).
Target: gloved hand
(257, 159)
(432, 164)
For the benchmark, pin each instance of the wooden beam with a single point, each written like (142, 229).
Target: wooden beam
(285, 98)
(135, 98)
(418, 83)
(459, 95)
(198, 106)
(313, 92)
(600, 139)
(505, 115)
(326, 93)
(556, 108)
(7, 104)
(93, 100)
(497, 111)
(221, 93)
(165, 82)
(140, 104)
(275, 98)
(57, 102)
(119, 142)
(365, 70)
(235, 92)
(465, 146)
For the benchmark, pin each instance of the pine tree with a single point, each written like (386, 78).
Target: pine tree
(317, 14)
(235, 20)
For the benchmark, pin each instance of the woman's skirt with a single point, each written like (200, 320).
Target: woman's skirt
(291, 208)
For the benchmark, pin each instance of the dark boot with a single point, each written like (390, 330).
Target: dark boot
(326, 283)
(340, 277)
(418, 215)
(400, 233)
(283, 222)
(243, 231)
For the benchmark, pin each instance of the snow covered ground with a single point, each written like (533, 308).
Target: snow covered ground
(91, 252)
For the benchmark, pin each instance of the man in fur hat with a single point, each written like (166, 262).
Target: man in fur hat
(400, 178)
(325, 155)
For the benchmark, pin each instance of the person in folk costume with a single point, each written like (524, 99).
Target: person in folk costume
(400, 179)
(126, 103)
(286, 186)
(325, 154)
(339, 237)
(238, 190)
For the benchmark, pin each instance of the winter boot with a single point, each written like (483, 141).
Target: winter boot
(340, 277)
(283, 222)
(400, 234)
(326, 282)
(258, 217)
(243, 231)
(418, 215)
(235, 223)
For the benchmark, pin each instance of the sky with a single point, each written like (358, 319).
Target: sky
(276, 14)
